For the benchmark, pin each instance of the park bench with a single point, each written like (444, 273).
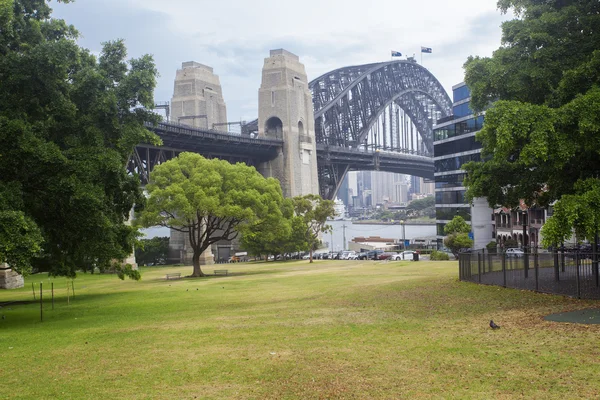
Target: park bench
(176, 275)
(221, 272)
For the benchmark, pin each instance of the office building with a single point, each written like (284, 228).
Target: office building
(454, 145)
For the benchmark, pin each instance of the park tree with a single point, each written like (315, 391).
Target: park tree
(457, 235)
(541, 89)
(271, 234)
(313, 211)
(153, 251)
(208, 199)
(68, 123)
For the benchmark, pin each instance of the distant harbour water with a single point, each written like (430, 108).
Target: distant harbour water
(352, 231)
(365, 230)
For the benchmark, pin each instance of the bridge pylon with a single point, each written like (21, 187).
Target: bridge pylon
(285, 111)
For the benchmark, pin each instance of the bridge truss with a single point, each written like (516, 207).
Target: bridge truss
(367, 117)
(385, 108)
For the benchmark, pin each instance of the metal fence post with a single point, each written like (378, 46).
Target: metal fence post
(536, 270)
(479, 266)
(577, 275)
(526, 262)
(556, 271)
(483, 260)
(595, 260)
(503, 260)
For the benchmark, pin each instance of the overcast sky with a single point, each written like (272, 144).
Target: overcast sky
(234, 36)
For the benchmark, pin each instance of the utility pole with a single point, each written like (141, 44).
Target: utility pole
(344, 237)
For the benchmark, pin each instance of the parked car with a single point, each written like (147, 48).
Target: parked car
(405, 255)
(385, 255)
(373, 254)
(514, 253)
(346, 254)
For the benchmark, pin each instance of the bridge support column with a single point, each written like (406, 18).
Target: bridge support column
(286, 112)
(197, 97)
(131, 257)
(180, 250)
(9, 279)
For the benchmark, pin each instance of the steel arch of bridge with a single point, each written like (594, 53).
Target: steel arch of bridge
(349, 101)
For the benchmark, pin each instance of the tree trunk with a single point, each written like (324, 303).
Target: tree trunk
(197, 270)
(311, 255)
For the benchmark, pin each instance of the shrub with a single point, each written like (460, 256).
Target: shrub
(439, 256)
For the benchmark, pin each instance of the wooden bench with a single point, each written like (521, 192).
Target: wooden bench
(176, 275)
(221, 272)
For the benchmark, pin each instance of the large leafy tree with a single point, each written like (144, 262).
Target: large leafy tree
(208, 199)
(271, 234)
(68, 122)
(153, 251)
(313, 211)
(541, 134)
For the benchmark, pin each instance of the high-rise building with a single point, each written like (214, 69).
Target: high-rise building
(454, 144)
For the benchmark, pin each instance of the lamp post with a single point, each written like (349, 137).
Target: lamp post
(403, 235)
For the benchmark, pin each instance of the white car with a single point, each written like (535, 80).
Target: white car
(347, 254)
(514, 253)
(405, 255)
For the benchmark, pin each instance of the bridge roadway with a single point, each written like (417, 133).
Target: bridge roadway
(243, 148)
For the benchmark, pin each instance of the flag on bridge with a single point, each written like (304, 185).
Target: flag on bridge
(425, 49)
(396, 54)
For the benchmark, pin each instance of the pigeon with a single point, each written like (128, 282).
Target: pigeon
(493, 325)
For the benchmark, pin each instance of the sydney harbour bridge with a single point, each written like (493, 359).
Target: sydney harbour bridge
(368, 117)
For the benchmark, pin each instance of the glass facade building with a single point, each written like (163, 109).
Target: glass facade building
(454, 144)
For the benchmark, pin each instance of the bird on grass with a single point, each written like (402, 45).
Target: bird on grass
(493, 325)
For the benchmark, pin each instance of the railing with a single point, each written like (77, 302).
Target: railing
(563, 272)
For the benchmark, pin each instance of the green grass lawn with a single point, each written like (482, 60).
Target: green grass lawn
(331, 329)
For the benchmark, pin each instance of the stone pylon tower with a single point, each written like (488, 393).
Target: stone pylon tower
(285, 110)
(197, 97)
(197, 101)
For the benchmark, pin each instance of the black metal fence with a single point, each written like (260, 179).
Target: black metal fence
(568, 273)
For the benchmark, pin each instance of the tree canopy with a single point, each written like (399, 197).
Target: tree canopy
(541, 134)
(314, 212)
(271, 234)
(457, 235)
(208, 199)
(68, 122)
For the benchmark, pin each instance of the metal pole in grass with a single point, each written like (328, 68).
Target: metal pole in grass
(33, 290)
(52, 286)
(41, 305)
